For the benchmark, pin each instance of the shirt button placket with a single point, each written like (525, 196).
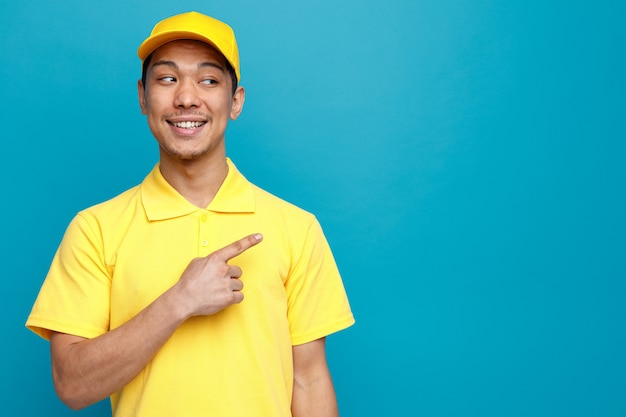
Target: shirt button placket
(204, 233)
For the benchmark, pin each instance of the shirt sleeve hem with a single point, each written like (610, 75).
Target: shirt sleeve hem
(299, 339)
(44, 328)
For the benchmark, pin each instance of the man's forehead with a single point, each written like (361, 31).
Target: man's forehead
(200, 50)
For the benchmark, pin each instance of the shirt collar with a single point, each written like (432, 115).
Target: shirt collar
(161, 201)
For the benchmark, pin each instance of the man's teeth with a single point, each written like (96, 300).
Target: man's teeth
(188, 125)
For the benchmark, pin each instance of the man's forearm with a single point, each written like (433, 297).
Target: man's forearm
(88, 370)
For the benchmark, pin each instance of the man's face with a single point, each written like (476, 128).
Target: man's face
(188, 100)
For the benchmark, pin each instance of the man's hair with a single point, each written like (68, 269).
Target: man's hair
(229, 69)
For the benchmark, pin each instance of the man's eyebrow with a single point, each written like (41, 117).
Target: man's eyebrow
(208, 64)
(173, 65)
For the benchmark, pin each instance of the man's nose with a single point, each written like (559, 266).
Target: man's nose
(187, 95)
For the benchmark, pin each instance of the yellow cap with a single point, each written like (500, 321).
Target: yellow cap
(197, 26)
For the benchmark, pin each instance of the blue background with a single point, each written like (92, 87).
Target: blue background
(465, 158)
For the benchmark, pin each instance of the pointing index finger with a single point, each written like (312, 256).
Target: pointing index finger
(238, 247)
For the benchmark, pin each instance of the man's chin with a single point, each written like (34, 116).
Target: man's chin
(183, 155)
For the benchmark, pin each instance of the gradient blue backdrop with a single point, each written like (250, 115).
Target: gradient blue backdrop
(466, 159)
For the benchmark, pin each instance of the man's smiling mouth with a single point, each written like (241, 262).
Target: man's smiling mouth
(187, 124)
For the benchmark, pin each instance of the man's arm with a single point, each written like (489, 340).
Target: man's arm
(85, 371)
(88, 370)
(313, 391)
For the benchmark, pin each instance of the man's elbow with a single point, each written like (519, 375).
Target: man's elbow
(72, 394)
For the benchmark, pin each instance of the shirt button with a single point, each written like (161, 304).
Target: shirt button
(204, 242)
(203, 218)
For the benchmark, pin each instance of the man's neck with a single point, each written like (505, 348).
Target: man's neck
(196, 180)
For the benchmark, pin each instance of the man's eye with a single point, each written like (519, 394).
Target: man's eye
(209, 81)
(167, 79)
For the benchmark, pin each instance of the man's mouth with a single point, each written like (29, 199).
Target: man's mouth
(187, 124)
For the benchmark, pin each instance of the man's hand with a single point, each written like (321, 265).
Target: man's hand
(210, 284)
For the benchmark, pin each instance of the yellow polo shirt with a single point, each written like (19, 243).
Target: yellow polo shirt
(120, 255)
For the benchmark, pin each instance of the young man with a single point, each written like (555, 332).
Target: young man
(194, 293)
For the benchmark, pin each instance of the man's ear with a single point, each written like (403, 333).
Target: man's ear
(141, 92)
(238, 99)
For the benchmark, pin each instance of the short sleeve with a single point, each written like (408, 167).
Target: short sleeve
(317, 300)
(75, 295)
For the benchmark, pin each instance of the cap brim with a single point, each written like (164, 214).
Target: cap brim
(154, 42)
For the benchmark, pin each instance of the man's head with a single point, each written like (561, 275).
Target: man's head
(193, 26)
(190, 63)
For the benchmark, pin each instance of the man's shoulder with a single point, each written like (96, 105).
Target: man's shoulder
(270, 201)
(114, 206)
